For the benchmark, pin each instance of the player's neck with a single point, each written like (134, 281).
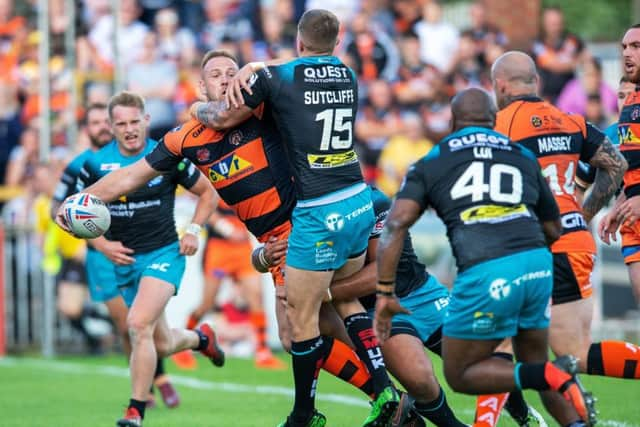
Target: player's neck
(309, 53)
(462, 125)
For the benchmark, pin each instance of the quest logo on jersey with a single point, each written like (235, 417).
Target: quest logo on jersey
(479, 139)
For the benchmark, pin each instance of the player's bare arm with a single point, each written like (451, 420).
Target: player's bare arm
(609, 224)
(404, 213)
(122, 181)
(610, 168)
(272, 253)
(114, 250)
(115, 184)
(552, 231)
(217, 114)
(361, 283)
(207, 202)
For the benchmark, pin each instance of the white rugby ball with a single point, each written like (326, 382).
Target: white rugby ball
(86, 215)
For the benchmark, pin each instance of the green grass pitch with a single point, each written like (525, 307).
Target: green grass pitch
(81, 391)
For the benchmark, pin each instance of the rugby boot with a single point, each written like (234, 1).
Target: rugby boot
(316, 420)
(532, 419)
(382, 408)
(402, 411)
(131, 418)
(562, 376)
(213, 351)
(169, 395)
(414, 419)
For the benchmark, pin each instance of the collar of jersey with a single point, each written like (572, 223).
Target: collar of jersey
(316, 59)
(528, 98)
(469, 129)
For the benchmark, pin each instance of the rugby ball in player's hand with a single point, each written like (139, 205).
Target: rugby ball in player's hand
(87, 216)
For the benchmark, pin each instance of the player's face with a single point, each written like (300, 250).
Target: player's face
(129, 126)
(631, 54)
(98, 127)
(216, 75)
(624, 90)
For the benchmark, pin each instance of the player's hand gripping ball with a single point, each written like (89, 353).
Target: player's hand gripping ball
(86, 216)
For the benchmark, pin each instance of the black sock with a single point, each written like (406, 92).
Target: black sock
(140, 405)
(438, 412)
(531, 375)
(517, 406)
(307, 357)
(204, 340)
(159, 368)
(594, 360)
(360, 329)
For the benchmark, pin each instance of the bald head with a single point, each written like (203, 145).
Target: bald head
(513, 74)
(473, 107)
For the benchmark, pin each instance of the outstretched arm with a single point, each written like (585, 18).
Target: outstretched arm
(122, 181)
(115, 184)
(610, 168)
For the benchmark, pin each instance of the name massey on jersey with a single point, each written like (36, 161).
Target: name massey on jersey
(554, 143)
(320, 97)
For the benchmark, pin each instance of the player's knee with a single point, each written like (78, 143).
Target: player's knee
(285, 339)
(138, 327)
(454, 377)
(423, 384)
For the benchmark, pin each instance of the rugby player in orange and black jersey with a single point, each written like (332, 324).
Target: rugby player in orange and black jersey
(560, 140)
(246, 165)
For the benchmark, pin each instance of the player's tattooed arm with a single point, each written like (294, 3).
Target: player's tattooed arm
(610, 168)
(217, 114)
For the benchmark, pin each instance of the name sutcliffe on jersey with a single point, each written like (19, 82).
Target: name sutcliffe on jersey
(319, 97)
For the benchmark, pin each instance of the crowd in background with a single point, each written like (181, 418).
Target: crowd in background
(409, 61)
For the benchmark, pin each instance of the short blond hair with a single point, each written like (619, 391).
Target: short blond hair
(125, 99)
(217, 54)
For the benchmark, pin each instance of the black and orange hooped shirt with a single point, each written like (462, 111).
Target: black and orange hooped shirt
(246, 164)
(629, 136)
(559, 140)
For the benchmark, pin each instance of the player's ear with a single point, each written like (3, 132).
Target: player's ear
(147, 118)
(202, 90)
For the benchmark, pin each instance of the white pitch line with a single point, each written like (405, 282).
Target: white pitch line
(114, 371)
